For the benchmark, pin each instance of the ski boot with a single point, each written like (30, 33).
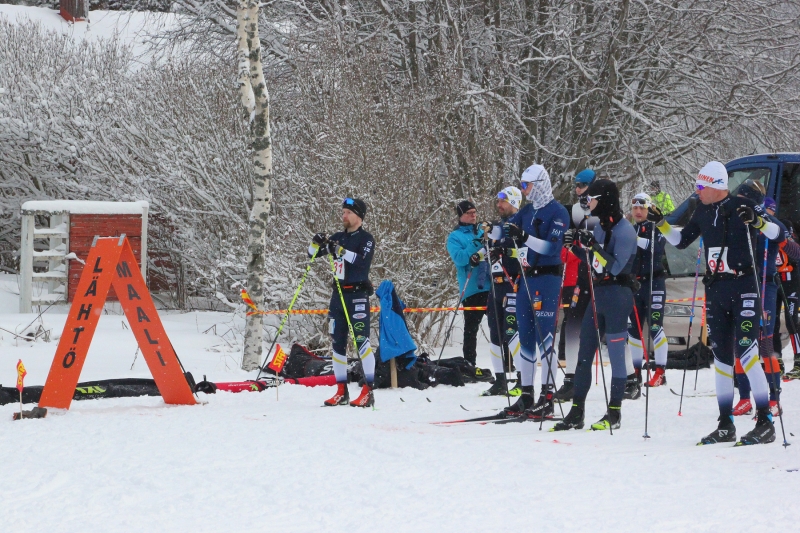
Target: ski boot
(525, 401)
(611, 420)
(365, 399)
(763, 433)
(633, 386)
(573, 420)
(517, 389)
(543, 407)
(499, 388)
(725, 432)
(744, 407)
(341, 397)
(794, 373)
(658, 378)
(564, 394)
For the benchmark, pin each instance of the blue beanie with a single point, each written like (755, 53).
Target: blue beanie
(585, 176)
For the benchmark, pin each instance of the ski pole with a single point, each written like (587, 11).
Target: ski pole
(553, 350)
(689, 334)
(755, 276)
(288, 312)
(599, 353)
(647, 362)
(538, 331)
(494, 306)
(455, 314)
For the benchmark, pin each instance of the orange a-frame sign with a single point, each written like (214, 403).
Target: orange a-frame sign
(111, 262)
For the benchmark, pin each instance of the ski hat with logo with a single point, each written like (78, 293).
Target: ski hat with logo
(512, 195)
(356, 205)
(769, 203)
(585, 177)
(753, 190)
(713, 175)
(463, 206)
(541, 192)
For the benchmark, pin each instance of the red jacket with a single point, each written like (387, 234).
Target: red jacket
(571, 264)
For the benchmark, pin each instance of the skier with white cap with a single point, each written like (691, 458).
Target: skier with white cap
(538, 233)
(501, 307)
(727, 224)
(648, 305)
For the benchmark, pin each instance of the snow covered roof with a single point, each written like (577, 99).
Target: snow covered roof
(86, 207)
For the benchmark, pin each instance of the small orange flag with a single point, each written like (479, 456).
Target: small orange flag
(278, 361)
(21, 373)
(246, 299)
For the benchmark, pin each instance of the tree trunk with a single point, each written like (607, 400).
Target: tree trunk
(255, 100)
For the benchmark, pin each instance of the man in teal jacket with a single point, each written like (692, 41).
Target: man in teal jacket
(465, 246)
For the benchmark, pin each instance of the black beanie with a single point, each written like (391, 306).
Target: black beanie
(464, 206)
(607, 196)
(355, 205)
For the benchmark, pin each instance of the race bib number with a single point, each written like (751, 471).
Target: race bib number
(717, 263)
(497, 267)
(596, 265)
(523, 256)
(338, 266)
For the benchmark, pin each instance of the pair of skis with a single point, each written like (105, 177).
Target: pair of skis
(497, 418)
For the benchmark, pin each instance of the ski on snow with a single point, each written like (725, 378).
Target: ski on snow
(498, 418)
(698, 394)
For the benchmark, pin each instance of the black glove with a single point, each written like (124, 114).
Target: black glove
(476, 258)
(569, 237)
(320, 239)
(654, 215)
(512, 231)
(334, 249)
(495, 254)
(746, 214)
(586, 238)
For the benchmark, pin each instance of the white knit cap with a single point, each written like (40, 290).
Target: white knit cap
(713, 175)
(512, 195)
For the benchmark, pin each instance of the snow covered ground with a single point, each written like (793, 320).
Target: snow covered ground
(133, 28)
(251, 462)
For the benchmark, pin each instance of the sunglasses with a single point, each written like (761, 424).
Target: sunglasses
(639, 202)
(581, 185)
(502, 196)
(596, 197)
(700, 187)
(349, 201)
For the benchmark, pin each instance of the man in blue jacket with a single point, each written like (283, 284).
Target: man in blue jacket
(463, 245)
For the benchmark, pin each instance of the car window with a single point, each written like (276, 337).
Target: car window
(736, 177)
(789, 197)
(682, 263)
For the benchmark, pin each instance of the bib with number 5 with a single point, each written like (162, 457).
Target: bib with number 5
(717, 263)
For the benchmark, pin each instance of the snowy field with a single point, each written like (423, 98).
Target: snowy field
(251, 462)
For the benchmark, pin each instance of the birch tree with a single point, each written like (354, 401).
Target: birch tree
(255, 101)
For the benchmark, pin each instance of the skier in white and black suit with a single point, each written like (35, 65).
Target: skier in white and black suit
(502, 304)
(731, 293)
(352, 250)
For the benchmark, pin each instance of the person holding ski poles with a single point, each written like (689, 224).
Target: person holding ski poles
(609, 250)
(537, 232)
(755, 191)
(726, 223)
(647, 304)
(575, 293)
(463, 245)
(788, 277)
(501, 307)
(351, 251)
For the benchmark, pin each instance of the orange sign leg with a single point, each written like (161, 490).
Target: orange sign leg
(111, 261)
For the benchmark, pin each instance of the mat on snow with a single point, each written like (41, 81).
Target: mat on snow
(89, 390)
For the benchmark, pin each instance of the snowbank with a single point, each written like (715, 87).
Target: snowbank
(129, 27)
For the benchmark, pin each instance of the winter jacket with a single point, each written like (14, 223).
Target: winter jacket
(395, 340)
(462, 242)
